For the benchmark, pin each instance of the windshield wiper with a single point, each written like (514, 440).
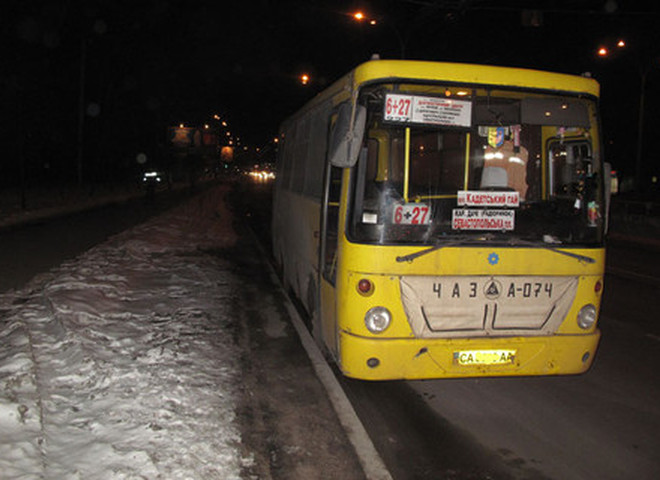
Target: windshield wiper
(454, 241)
(577, 256)
(412, 256)
(510, 242)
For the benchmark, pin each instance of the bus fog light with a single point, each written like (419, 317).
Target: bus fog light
(586, 317)
(378, 319)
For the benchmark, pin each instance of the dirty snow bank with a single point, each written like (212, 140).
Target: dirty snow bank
(120, 364)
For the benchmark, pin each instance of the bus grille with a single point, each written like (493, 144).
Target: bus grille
(479, 306)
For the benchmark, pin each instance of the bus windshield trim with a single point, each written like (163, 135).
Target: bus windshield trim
(510, 242)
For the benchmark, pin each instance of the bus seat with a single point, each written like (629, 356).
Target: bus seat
(494, 177)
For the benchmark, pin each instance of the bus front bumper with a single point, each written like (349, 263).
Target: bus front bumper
(392, 359)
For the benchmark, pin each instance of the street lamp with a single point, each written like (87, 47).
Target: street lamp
(604, 51)
(361, 17)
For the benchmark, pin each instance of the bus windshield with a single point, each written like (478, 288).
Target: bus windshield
(467, 164)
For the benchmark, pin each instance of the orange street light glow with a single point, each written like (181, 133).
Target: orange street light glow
(359, 16)
(602, 51)
(304, 79)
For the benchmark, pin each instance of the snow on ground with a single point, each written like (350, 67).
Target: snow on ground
(120, 364)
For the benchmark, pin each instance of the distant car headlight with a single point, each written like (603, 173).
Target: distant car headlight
(378, 319)
(151, 176)
(586, 317)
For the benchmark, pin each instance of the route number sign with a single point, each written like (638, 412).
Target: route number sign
(401, 108)
(412, 214)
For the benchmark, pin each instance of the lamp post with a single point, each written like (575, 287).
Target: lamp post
(98, 28)
(640, 128)
(643, 69)
(81, 110)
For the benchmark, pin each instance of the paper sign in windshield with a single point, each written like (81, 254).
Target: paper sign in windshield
(467, 219)
(412, 214)
(428, 110)
(468, 198)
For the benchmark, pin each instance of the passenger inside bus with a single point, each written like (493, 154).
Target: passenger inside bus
(512, 164)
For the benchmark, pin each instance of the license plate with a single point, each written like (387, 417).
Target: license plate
(484, 357)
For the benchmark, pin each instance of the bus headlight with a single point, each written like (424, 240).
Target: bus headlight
(586, 317)
(378, 319)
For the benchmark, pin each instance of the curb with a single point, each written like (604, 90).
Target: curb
(372, 464)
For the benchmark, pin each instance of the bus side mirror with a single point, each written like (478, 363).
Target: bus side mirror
(346, 137)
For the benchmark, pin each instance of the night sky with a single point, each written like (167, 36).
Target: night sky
(150, 64)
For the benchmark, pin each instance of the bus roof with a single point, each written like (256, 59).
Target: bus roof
(472, 74)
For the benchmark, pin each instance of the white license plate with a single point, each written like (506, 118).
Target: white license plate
(484, 357)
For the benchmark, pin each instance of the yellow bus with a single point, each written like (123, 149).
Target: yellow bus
(446, 220)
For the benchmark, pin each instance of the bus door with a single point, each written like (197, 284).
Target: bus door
(328, 258)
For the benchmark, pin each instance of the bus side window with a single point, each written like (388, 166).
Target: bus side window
(331, 224)
(316, 154)
(571, 163)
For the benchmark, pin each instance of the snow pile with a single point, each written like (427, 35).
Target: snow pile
(121, 364)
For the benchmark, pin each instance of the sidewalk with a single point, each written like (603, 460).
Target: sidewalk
(288, 422)
(163, 352)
